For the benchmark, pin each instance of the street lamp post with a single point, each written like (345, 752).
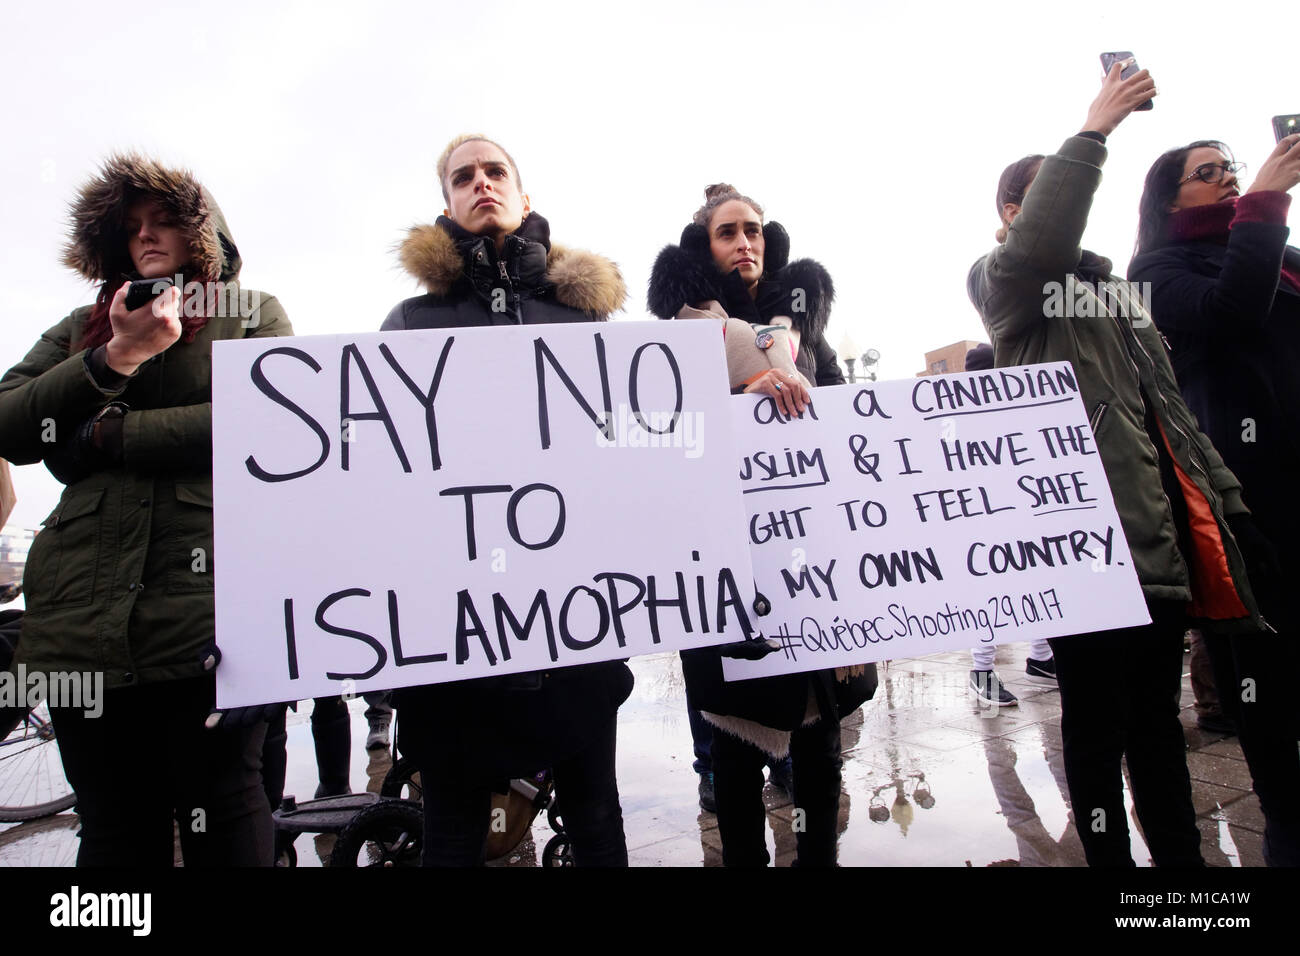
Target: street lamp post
(848, 354)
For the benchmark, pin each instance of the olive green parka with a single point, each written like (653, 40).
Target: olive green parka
(119, 578)
(1043, 298)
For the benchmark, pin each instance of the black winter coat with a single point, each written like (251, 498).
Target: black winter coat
(686, 275)
(1234, 330)
(513, 725)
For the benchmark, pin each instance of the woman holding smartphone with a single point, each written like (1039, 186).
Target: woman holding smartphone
(1225, 291)
(1175, 498)
(117, 402)
(730, 265)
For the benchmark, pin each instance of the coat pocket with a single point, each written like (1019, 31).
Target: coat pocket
(191, 538)
(61, 566)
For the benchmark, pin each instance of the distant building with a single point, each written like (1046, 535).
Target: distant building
(950, 358)
(14, 545)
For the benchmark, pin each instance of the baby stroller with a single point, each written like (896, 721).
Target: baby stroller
(386, 828)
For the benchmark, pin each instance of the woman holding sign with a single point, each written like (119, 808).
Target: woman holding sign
(489, 260)
(1225, 289)
(733, 268)
(1180, 507)
(116, 400)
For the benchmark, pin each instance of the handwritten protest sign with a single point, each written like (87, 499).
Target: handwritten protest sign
(415, 507)
(911, 517)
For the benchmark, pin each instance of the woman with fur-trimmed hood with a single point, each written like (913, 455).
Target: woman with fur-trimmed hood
(489, 260)
(117, 402)
(733, 268)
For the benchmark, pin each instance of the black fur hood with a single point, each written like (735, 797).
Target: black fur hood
(685, 274)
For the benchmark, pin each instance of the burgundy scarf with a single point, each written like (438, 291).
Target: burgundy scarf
(1212, 222)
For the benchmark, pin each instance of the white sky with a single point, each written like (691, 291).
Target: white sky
(874, 132)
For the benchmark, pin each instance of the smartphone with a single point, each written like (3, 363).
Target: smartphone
(145, 290)
(1110, 59)
(1284, 126)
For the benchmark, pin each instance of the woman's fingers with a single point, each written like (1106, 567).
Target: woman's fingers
(1281, 171)
(791, 396)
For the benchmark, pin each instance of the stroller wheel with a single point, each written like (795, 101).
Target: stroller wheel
(403, 781)
(558, 851)
(389, 833)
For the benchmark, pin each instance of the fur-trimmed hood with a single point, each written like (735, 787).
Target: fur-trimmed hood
(435, 254)
(96, 246)
(685, 275)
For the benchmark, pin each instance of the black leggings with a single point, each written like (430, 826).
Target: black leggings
(1119, 699)
(458, 803)
(148, 759)
(738, 788)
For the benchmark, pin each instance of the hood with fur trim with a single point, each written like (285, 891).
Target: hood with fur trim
(581, 280)
(685, 275)
(96, 245)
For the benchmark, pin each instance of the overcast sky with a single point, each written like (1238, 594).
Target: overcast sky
(874, 132)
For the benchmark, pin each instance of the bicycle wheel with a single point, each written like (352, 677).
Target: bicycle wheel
(32, 784)
(389, 833)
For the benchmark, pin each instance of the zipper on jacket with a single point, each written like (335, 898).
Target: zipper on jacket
(1193, 457)
(1098, 414)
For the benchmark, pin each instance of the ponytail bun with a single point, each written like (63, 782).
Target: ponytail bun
(715, 196)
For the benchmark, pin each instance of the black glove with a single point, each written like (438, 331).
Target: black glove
(1263, 566)
(756, 647)
(236, 717)
(94, 445)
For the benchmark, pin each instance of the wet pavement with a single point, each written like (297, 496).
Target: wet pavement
(931, 778)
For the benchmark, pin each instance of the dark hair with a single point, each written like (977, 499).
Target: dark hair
(1013, 184)
(1015, 179)
(1161, 186)
(715, 196)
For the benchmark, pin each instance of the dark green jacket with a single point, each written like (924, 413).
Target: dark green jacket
(1113, 347)
(119, 579)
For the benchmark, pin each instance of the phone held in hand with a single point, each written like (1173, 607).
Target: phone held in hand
(144, 290)
(1284, 126)
(1110, 59)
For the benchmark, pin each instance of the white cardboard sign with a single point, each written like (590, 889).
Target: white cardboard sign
(912, 517)
(406, 508)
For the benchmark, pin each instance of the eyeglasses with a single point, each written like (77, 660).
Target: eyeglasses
(1212, 173)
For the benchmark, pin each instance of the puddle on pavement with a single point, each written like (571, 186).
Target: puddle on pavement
(930, 779)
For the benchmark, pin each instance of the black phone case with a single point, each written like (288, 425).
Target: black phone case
(142, 291)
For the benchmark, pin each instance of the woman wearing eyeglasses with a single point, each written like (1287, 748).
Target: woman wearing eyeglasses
(1224, 288)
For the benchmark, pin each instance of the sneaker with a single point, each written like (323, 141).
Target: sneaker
(991, 690)
(708, 802)
(781, 775)
(1041, 672)
(377, 739)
